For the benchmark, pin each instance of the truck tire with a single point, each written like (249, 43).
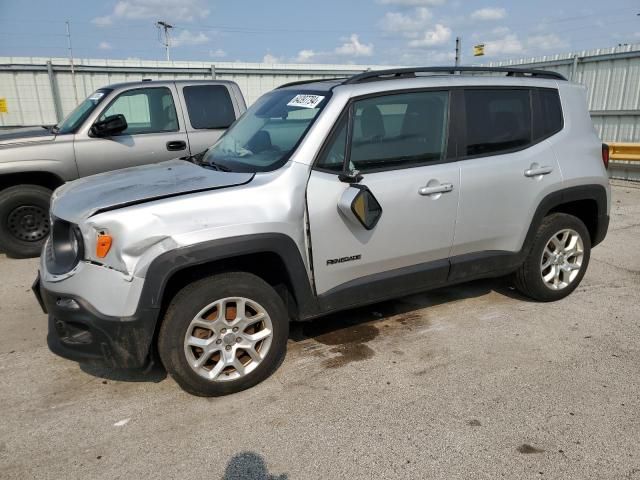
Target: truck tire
(223, 334)
(24, 220)
(558, 259)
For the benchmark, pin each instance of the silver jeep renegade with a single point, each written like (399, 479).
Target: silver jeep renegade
(324, 196)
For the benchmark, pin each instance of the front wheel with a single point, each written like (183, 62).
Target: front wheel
(223, 334)
(558, 259)
(24, 220)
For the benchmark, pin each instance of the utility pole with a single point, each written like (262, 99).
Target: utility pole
(73, 70)
(167, 42)
(458, 48)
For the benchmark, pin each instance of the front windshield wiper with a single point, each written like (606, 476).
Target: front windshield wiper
(51, 128)
(215, 166)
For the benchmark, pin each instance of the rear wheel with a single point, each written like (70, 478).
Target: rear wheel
(223, 334)
(558, 259)
(24, 220)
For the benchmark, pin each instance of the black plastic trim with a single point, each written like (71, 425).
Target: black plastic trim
(410, 72)
(170, 263)
(386, 285)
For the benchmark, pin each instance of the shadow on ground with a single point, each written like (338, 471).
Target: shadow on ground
(249, 465)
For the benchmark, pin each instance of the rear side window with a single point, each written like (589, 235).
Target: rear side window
(209, 106)
(547, 113)
(497, 120)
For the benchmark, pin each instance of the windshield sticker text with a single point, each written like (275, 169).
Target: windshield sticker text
(305, 101)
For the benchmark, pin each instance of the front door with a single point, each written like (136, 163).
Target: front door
(398, 143)
(155, 133)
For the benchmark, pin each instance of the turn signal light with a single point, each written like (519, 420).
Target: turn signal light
(103, 245)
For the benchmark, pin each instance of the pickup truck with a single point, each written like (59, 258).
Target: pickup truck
(121, 125)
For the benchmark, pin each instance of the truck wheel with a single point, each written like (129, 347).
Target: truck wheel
(558, 259)
(24, 220)
(223, 334)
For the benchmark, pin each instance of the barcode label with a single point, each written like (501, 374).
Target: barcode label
(305, 101)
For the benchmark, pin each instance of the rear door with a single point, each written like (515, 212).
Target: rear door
(506, 168)
(155, 132)
(398, 143)
(209, 110)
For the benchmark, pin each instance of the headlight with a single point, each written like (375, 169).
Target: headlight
(65, 247)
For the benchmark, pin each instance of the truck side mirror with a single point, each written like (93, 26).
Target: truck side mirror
(111, 125)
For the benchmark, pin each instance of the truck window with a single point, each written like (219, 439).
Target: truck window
(209, 106)
(147, 110)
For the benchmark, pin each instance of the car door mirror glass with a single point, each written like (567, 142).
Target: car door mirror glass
(111, 125)
(360, 206)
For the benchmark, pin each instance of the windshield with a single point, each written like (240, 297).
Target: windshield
(81, 112)
(264, 138)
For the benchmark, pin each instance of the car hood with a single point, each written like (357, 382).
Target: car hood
(78, 200)
(25, 135)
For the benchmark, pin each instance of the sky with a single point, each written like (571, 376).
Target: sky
(368, 32)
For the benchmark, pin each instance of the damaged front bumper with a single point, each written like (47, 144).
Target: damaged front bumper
(79, 332)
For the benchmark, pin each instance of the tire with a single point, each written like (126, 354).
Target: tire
(24, 220)
(571, 264)
(218, 372)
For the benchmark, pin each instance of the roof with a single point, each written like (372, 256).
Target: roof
(147, 83)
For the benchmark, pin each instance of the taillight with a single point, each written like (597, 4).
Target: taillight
(605, 155)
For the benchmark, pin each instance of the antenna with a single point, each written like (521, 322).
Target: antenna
(167, 41)
(73, 70)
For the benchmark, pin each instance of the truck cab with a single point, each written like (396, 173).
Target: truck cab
(117, 126)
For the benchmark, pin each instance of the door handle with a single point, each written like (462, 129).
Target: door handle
(535, 171)
(176, 145)
(442, 188)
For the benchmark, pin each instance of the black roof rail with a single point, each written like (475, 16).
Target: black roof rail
(303, 82)
(394, 73)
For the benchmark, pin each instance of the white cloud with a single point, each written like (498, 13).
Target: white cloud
(500, 31)
(406, 24)
(509, 44)
(550, 41)
(354, 48)
(186, 37)
(489, 13)
(268, 58)
(432, 38)
(412, 3)
(219, 53)
(102, 21)
(104, 46)
(305, 56)
(176, 10)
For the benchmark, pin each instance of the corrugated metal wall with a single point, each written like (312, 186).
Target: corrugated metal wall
(41, 90)
(612, 76)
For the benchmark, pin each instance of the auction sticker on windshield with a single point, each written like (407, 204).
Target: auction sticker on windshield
(305, 101)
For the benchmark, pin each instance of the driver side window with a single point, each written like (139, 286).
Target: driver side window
(147, 110)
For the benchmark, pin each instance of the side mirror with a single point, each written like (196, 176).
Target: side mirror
(112, 125)
(360, 206)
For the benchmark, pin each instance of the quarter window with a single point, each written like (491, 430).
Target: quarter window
(548, 118)
(147, 110)
(497, 120)
(209, 106)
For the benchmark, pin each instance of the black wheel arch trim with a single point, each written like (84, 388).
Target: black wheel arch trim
(173, 261)
(595, 192)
